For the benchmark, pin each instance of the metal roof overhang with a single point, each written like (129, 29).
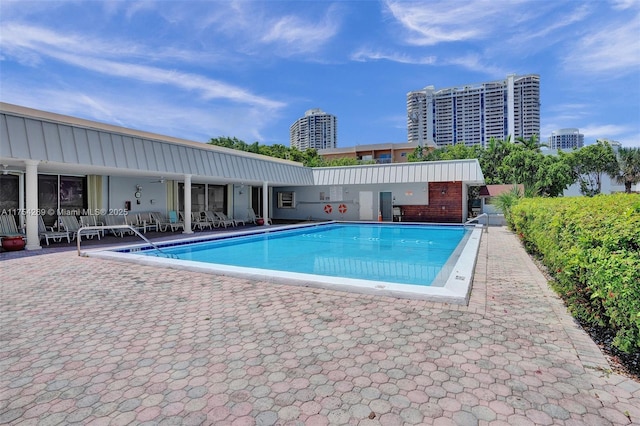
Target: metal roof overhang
(466, 171)
(68, 145)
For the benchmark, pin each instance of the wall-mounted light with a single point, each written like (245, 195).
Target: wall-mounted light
(443, 191)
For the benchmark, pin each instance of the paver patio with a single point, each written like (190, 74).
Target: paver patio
(94, 342)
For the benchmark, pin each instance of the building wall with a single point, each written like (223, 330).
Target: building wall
(419, 202)
(390, 154)
(443, 208)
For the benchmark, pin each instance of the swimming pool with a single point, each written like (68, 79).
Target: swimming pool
(402, 260)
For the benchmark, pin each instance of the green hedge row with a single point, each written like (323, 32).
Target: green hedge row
(592, 246)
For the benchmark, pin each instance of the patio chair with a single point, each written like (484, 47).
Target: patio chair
(234, 222)
(92, 220)
(224, 220)
(8, 227)
(253, 218)
(197, 221)
(72, 225)
(49, 233)
(116, 220)
(213, 219)
(148, 222)
(171, 222)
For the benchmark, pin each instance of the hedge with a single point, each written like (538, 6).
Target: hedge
(592, 248)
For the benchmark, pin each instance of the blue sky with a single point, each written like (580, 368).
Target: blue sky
(197, 70)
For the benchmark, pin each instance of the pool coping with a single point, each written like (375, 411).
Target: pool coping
(455, 290)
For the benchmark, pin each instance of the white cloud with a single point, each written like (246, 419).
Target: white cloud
(294, 35)
(33, 42)
(365, 54)
(611, 48)
(433, 22)
(151, 113)
(610, 131)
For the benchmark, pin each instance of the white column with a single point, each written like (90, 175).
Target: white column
(21, 199)
(187, 205)
(265, 203)
(33, 239)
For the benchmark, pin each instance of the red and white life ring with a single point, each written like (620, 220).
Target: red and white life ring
(328, 209)
(342, 208)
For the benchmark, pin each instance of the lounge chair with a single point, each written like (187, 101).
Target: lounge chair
(235, 222)
(8, 227)
(197, 221)
(116, 220)
(72, 225)
(253, 218)
(49, 233)
(224, 220)
(132, 221)
(148, 222)
(170, 222)
(213, 219)
(92, 220)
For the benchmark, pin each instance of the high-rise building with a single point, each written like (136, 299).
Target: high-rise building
(473, 114)
(566, 139)
(316, 129)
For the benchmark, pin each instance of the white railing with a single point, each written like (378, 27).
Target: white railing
(474, 219)
(131, 228)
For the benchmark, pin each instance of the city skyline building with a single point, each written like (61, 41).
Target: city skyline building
(316, 130)
(474, 113)
(568, 138)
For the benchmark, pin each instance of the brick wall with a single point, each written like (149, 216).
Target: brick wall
(442, 208)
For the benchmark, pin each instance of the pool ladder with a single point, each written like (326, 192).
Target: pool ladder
(473, 219)
(129, 227)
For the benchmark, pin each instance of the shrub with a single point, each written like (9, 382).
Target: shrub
(592, 246)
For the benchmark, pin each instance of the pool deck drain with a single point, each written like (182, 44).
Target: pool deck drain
(91, 341)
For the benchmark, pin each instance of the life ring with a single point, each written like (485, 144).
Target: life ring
(328, 209)
(342, 208)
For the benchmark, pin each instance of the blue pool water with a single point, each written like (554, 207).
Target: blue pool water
(404, 254)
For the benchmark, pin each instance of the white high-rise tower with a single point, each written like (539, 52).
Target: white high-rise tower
(316, 129)
(472, 114)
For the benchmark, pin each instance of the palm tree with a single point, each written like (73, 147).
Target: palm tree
(629, 165)
(531, 144)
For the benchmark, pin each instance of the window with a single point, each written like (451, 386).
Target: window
(286, 200)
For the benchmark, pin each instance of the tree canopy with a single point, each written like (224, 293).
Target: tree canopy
(502, 162)
(309, 157)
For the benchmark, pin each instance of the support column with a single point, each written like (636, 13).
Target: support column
(265, 203)
(31, 181)
(187, 205)
(21, 207)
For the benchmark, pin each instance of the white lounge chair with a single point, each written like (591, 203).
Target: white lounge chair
(197, 221)
(72, 225)
(148, 222)
(253, 218)
(116, 220)
(235, 222)
(224, 220)
(213, 219)
(92, 220)
(49, 233)
(172, 222)
(8, 227)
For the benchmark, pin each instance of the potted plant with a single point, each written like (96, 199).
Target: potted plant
(13, 243)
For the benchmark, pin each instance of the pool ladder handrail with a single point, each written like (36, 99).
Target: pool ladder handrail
(131, 228)
(486, 226)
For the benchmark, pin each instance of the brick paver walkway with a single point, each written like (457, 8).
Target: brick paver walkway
(94, 342)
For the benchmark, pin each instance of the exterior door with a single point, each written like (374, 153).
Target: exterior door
(366, 205)
(386, 207)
